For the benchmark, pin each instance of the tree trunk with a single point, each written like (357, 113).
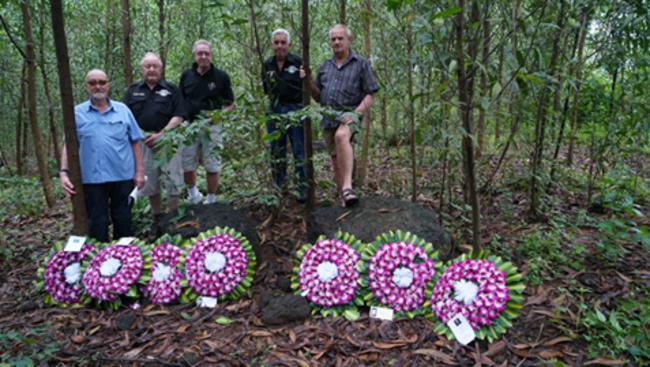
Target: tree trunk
(67, 108)
(306, 96)
(342, 17)
(19, 122)
(365, 141)
(54, 135)
(497, 109)
(31, 97)
(162, 49)
(126, 42)
(411, 108)
(465, 98)
(540, 125)
(108, 31)
(484, 76)
(576, 94)
(384, 99)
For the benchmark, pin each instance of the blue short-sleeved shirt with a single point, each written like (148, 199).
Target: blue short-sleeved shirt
(105, 151)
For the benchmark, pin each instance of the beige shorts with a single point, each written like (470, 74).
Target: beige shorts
(170, 174)
(210, 157)
(329, 137)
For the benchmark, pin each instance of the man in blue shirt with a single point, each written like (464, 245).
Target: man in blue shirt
(110, 158)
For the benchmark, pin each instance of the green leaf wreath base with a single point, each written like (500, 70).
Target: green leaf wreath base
(513, 305)
(243, 288)
(176, 240)
(39, 283)
(398, 236)
(133, 294)
(350, 310)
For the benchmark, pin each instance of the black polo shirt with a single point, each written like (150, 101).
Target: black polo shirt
(207, 92)
(283, 86)
(154, 108)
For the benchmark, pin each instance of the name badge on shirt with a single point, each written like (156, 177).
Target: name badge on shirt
(212, 85)
(292, 69)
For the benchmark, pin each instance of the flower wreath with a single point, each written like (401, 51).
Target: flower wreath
(485, 289)
(163, 282)
(220, 263)
(399, 266)
(327, 274)
(60, 273)
(112, 272)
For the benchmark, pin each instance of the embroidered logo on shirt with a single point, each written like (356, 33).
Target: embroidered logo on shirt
(163, 92)
(292, 69)
(212, 85)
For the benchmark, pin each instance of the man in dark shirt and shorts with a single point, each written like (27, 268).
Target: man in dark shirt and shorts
(282, 82)
(158, 107)
(204, 88)
(346, 84)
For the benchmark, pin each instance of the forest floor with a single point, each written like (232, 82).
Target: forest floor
(586, 299)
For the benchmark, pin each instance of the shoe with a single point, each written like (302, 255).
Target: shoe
(194, 199)
(210, 199)
(349, 198)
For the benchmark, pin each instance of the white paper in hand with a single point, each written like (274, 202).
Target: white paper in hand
(123, 241)
(382, 313)
(74, 243)
(208, 302)
(461, 329)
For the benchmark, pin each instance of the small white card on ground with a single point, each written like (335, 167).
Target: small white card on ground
(74, 243)
(208, 302)
(123, 241)
(382, 313)
(461, 329)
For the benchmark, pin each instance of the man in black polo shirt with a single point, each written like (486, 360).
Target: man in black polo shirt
(282, 82)
(346, 84)
(204, 88)
(157, 106)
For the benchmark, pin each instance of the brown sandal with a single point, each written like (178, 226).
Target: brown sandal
(349, 197)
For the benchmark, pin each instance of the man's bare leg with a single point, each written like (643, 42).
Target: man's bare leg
(344, 155)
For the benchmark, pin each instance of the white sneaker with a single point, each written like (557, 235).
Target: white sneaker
(210, 199)
(194, 199)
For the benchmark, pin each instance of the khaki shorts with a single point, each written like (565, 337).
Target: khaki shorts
(170, 174)
(329, 136)
(210, 158)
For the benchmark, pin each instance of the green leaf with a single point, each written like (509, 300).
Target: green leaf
(223, 320)
(186, 316)
(351, 314)
(447, 12)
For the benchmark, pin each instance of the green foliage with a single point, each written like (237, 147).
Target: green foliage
(23, 195)
(623, 329)
(28, 348)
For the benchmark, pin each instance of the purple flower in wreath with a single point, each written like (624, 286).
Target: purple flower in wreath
(398, 274)
(112, 272)
(164, 283)
(328, 276)
(218, 262)
(62, 274)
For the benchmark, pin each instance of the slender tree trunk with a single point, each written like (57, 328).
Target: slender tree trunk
(309, 148)
(126, 41)
(484, 75)
(367, 117)
(411, 108)
(54, 135)
(19, 122)
(108, 31)
(576, 94)
(384, 99)
(162, 48)
(497, 109)
(465, 86)
(342, 17)
(540, 127)
(31, 96)
(67, 108)
(256, 38)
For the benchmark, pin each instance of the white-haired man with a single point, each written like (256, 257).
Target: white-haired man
(158, 107)
(204, 88)
(346, 84)
(282, 82)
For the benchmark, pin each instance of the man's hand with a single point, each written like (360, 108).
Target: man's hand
(150, 140)
(304, 73)
(138, 179)
(66, 184)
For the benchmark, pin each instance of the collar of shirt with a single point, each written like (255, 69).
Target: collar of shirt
(349, 59)
(291, 59)
(195, 68)
(92, 107)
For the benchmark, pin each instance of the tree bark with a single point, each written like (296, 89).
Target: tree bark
(465, 98)
(67, 109)
(342, 16)
(162, 49)
(309, 148)
(126, 42)
(19, 122)
(31, 98)
(365, 141)
(484, 75)
(411, 107)
(576, 94)
(54, 135)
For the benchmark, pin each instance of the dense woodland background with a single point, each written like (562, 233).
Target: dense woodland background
(524, 124)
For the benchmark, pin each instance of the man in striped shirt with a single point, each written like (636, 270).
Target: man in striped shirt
(345, 83)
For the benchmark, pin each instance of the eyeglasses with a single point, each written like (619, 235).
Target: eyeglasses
(100, 82)
(282, 42)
